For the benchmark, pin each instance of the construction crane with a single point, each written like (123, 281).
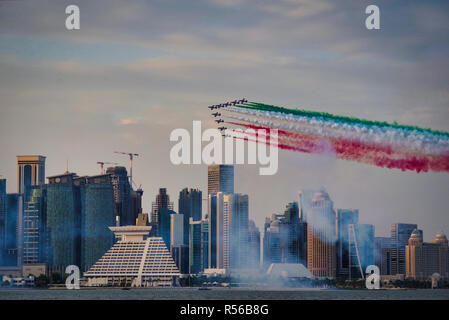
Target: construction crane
(101, 163)
(131, 157)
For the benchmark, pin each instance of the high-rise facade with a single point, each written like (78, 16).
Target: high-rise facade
(3, 221)
(126, 201)
(64, 220)
(34, 249)
(13, 230)
(235, 231)
(285, 237)
(205, 243)
(216, 230)
(96, 216)
(274, 240)
(345, 218)
(425, 259)
(162, 202)
(253, 245)
(30, 172)
(321, 236)
(400, 233)
(79, 212)
(195, 247)
(190, 206)
(305, 202)
(165, 224)
(365, 239)
(228, 230)
(220, 178)
(382, 254)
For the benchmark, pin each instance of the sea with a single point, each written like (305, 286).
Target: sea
(222, 294)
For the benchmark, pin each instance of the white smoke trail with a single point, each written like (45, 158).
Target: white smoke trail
(397, 138)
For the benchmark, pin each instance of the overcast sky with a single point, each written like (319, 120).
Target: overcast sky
(136, 70)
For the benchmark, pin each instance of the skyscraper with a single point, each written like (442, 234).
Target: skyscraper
(64, 220)
(30, 171)
(195, 247)
(228, 230)
(382, 247)
(35, 244)
(400, 233)
(235, 230)
(126, 200)
(253, 245)
(274, 240)
(162, 202)
(305, 202)
(165, 224)
(13, 242)
(424, 259)
(345, 217)
(79, 212)
(215, 236)
(285, 237)
(205, 243)
(96, 216)
(3, 215)
(220, 178)
(321, 236)
(365, 239)
(190, 205)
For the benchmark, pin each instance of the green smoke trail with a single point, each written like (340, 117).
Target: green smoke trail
(325, 115)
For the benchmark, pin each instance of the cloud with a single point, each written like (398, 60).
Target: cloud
(298, 8)
(130, 121)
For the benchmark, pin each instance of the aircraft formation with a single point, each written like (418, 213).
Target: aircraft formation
(218, 114)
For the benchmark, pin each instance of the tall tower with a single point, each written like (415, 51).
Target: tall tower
(190, 205)
(30, 172)
(235, 230)
(162, 202)
(123, 196)
(321, 237)
(220, 178)
(345, 218)
(3, 216)
(400, 233)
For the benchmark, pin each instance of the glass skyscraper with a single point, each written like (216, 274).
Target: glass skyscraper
(96, 216)
(34, 249)
(346, 217)
(220, 178)
(3, 216)
(190, 205)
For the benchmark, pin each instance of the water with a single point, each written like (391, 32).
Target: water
(222, 294)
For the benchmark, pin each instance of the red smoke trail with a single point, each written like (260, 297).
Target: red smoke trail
(375, 154)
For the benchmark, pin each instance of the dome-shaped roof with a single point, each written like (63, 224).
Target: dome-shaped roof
(415, 237)
(320, 196)
(440, 235)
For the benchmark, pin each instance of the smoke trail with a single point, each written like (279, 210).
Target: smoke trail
(324, 115)
(374, 154)
(399, 138)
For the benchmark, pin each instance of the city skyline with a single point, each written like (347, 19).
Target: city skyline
(133, 73)
(204, 208)
(66, 221)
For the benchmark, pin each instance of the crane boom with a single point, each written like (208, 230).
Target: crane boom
(131, 157)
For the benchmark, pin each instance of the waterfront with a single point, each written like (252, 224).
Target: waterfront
(222, 294)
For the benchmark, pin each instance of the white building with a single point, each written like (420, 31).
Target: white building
(135, 260)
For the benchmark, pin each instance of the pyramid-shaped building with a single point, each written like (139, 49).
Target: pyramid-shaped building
(134, 260)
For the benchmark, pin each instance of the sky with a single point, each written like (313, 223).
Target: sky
(136, 70)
